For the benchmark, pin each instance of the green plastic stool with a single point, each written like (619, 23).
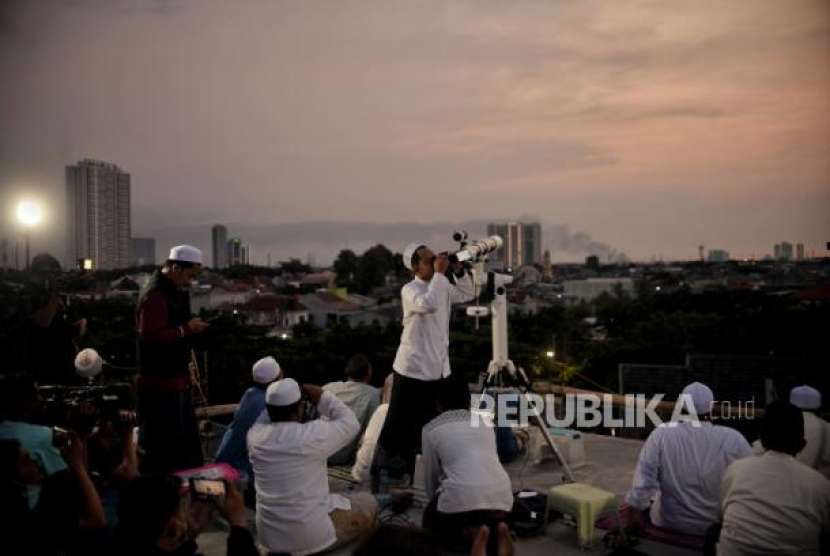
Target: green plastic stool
(587, 504)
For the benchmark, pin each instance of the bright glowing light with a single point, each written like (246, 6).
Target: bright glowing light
(29, 213)
(657, 288)
(549, 354)
(284, 336)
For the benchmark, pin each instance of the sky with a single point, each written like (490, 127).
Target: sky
(635, 127)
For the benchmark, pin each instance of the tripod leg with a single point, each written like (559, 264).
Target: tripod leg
(535, 419)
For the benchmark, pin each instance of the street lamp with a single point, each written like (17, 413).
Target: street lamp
(550, 354)
(29, 214)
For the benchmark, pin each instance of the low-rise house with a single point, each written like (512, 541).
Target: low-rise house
(279, 311)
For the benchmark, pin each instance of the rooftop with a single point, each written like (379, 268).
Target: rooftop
(610, 463)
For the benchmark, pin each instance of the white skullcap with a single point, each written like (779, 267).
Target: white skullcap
(409, 252)
(186, 254)
(805, 397)
(701, 396)
(266, 370)
(283, 392)
(88, 363)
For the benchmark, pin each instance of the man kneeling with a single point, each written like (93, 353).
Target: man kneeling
(295, 511)
(463, 478)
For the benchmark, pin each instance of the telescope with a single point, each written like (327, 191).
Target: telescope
(475, 250)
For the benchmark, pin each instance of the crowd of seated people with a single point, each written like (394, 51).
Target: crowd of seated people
(699, 479)
(694, 477)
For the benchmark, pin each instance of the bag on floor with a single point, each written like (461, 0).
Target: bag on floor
(527, 518)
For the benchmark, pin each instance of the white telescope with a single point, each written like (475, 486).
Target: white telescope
(477, 249)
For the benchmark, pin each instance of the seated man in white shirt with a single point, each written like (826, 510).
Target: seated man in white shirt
(295, 513)
(463, 478)
(359, 396)
(773, 504)
(366, 449)
(683, 463)
(816, 452)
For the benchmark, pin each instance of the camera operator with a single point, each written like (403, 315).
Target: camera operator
(168, 430)
(49, 338)
(423, 356)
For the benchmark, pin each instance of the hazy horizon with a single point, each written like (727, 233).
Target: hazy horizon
(645, 127)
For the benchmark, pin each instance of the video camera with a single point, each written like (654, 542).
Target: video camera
(80, 408)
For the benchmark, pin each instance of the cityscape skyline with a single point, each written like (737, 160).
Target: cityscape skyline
(650, 128)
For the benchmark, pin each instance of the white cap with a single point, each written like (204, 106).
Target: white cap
(186, 254)
(805, 397)
(266, 370)
(701, 396)
(88, 363)
(409, 252)
(283, 392)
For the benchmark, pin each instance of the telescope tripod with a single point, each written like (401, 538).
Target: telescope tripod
(502, 375)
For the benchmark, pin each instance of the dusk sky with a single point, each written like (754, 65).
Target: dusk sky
(641, 127)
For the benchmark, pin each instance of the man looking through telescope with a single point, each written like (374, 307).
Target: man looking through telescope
(422, 359)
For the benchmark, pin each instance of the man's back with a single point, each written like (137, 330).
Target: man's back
(462, 459)
(686, 464)
(233, 449)
(816, 453)
(773, 504)
(289, 463)
(363, 399)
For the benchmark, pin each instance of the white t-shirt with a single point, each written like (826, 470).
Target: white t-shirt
(366, 452)
(685, 464)
(461, 463)
(423, 352)
(773, 504)
(292, 487)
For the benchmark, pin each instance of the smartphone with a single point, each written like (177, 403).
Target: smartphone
(206, 489)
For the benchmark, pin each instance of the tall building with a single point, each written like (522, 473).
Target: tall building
(234, 251)
(718, 256)
(501, 231)
(246, 254)
(799, 251)
(776, 251)
(786, 251)
(219, 236)
(547, 265)
(522, 244)
(98, 210)
(532, 243)
(143, 251)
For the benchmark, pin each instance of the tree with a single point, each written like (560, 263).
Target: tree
(345, 267)
(294, 266)
(374, 266)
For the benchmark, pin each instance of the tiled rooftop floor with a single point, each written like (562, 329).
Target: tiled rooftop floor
(609, 465)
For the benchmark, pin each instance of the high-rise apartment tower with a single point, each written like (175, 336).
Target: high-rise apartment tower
(219, 243)
(98, 214)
